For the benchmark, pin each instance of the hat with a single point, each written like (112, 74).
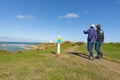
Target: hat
(99, 26)
(92, 25)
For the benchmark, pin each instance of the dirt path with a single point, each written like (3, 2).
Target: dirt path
(108, 67)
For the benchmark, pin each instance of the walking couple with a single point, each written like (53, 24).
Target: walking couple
(94, 37)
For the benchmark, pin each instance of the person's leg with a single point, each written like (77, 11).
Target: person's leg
(97, 48)
(90, 47)
(100, 52)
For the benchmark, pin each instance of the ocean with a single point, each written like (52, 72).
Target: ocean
(16, 46)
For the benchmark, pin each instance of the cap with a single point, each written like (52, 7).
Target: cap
(99, 26)
(92, 25)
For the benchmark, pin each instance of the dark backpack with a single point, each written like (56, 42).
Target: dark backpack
(100, 35)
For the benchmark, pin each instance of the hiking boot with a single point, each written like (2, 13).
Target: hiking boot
(99, 57)
(91, 58)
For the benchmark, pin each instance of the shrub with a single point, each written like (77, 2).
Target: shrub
(80, 43)
(68, 43)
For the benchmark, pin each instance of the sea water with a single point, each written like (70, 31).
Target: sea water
(16, 46)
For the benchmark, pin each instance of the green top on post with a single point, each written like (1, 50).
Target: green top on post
(59, 39)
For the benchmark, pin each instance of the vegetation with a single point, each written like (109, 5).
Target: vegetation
(4, 52)
(44, 64)
(110, 51)
(80, 43)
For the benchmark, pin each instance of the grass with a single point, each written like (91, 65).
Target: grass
(45, 65)
(6, 56)
(110, 51)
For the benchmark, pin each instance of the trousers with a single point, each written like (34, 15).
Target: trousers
(90, 48)
(98, 48)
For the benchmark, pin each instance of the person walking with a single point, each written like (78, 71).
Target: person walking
(99, 41)
(91, 39)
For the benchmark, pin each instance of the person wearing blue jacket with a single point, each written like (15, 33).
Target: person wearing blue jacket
(99, 41)
(91, 39)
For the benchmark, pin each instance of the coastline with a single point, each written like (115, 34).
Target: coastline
(16, 46)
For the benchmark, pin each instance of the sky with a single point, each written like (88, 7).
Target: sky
(45, 20)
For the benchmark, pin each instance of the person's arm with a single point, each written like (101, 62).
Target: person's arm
(86, 32)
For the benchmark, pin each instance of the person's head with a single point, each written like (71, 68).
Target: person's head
(98, 26)
(92, 26)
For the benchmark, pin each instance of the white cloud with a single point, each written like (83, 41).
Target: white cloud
(20, 16)
(29, 17)
(70, 15)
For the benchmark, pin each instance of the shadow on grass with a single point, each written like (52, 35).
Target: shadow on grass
(53, 52)
(83, 55)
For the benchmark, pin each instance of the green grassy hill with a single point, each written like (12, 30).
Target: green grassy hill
(46, 65)
(110, 51)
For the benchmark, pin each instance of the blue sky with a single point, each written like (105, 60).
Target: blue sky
(44, 20)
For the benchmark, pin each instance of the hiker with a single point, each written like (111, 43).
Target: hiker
(99, 41)
(92, 36)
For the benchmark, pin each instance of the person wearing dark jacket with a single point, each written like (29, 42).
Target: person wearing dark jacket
(99, 41)
(92, 36)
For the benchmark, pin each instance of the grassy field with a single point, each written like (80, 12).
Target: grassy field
(46, 65)
(110, 51)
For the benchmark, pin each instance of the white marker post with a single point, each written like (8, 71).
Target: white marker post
(58, 48)
(59, 42)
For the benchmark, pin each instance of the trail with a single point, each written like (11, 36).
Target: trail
(108, 67)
